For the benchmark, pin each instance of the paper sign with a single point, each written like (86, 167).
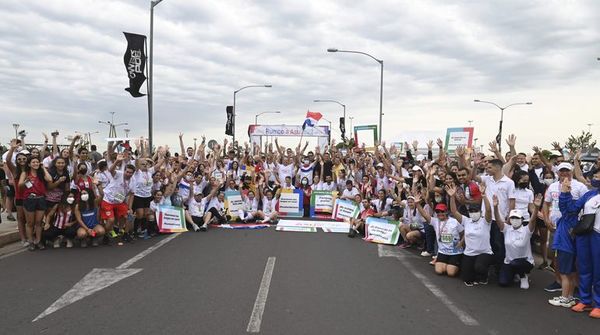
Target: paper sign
(383, 231)
(291, 203)
(171, 219)
(233, 203)
(344, 210)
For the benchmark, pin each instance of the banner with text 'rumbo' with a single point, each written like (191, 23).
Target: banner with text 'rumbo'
(135, 63)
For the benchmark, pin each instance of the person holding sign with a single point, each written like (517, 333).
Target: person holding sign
(269, 202)
(450, 239)
(478, 254)
(412, 228)
(216, 208)
(250, 209)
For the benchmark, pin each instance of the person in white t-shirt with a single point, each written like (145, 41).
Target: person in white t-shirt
(518, 258)
(451, 240)
(216, 211)
(477, 256)
(413, 224)
(142, 194)
(349, 191)
(250, 209)
(269, 203)
(522, 194)
(197, 207)
(114, 203)
(382, 204)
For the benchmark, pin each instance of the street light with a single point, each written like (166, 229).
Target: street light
(112, 131)
(127, 130)
(153, 4)
(329, 134)
(16, 126)
(590, 127)
(380, 84)
(351, 119)
(336, 102)
(499, 136)
(259, 114)
(234, 93)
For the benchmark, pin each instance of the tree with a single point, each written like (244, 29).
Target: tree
(583, 141)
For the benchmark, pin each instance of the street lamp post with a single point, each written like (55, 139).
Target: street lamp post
(259, 114)
(499, 136)
(127, 130)
(16, 126)
(351, 119)
(329, 134)
(153, 3)
(380, 61)
(234, 94)
(112, 130)
(336, 102)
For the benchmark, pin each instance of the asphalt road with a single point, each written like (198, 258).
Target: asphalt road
(322, 283)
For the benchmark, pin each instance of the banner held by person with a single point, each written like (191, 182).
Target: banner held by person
(321, 203)
(344, 210)
(290, 203)
(458, 137)
(382, 231)
(135, 63)
(171, 219)
(233, 203)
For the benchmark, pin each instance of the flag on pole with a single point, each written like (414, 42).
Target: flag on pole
(135, 62)
(311, 119)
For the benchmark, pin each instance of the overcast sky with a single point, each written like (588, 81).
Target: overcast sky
(61, 65)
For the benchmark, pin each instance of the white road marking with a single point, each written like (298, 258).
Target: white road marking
(98, 279)
(261, 298)
(393, 251)
(463, 316)
(146, 252)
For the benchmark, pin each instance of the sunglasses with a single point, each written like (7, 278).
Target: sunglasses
(440, 212)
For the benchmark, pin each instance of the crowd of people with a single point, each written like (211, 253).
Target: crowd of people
(474, 215)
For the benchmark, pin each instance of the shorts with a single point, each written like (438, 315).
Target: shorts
(110, 211)
(449, 259)
(198, 220)
(10, 191)
(19, 202)
(35, 204)
(566, 262)
(139, 202)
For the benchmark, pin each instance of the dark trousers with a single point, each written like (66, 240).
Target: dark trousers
(475, 268)
(429, 239)
(53, 232)
(519, 266)
(215, 214)
(497, 244)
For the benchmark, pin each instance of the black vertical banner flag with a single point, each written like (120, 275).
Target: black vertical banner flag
(135, 63)
(229, 124)
(343, 127)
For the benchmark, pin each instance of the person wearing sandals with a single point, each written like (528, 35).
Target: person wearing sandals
(588, 246)
(62, 216)
(86, 214)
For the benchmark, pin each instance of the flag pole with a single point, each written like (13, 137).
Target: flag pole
(149, 96)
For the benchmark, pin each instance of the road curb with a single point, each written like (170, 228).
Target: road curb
(9, 237)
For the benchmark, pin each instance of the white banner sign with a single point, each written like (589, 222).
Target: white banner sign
(289, 202)
(344, 210)
(233, 202)
(170, 219)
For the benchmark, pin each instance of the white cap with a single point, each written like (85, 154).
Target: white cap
(515, 213)
(565, 165)
(24, 152)
(379, 164)
(197, 191)
(417, 168)
(421, 157)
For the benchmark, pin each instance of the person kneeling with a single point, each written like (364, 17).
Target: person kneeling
(86, 214)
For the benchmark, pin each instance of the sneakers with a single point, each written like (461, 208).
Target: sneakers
(95, 241)
(204, 227)
(581, 307)
(195, 227)
(112, 234)
(554, 287)
(40, 245)
(482, 282)
(10, 217)
(25, 244)
(543, 266)
(595, 313)
(469, 283)
(84, 243)
(425, 254)
(433, 261)
(56, 243)
(31, 246)
(69, 243)
(525, 282)
(562, 302)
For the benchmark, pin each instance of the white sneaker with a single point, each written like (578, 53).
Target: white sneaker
(562, 302)
(195, 227)
(525, 282)
(204, 227)
(425, 254)
(69, 243)
(56, 243)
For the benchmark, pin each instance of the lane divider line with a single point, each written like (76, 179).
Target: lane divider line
(261, 298)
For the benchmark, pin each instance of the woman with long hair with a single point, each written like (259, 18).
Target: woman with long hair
(15, 171)
(33, 183)
(62, 221)
(87, 216)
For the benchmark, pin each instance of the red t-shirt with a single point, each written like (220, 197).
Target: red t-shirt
(38, 187)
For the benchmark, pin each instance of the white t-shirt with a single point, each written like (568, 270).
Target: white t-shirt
(516, 242)
(142, 181)
(350, 193)
(411, 216)
(250, 205)
(117, 189)
(477, 236)
(196, 208)
(215, 203)
(386, 207)
(448, 235)
(553, 192)
(382, 183)
(327, 187)
(285, 171)
(593, 206)
(154, 205)
(269, 205)
(103, 178)
(523, 197)
(503, 189)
